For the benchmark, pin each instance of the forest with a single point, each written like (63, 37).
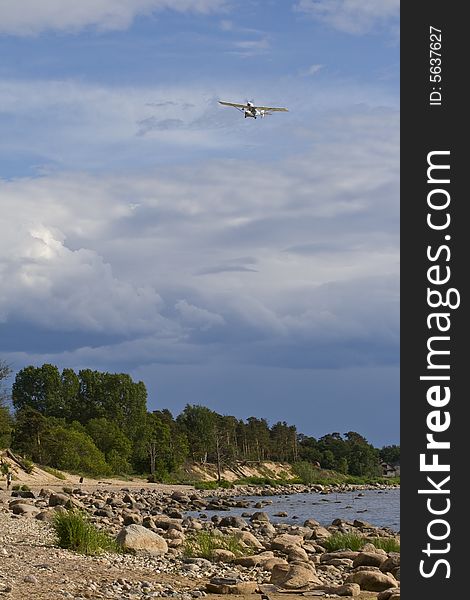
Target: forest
(98, 423)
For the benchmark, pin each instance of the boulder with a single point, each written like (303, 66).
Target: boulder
(260, 516)
(268, 564)
(249, 539)
(221, 555)
(319, 533)
(233, 521)
(285, 542)
(390, 594)
(369, 559)
(311, 523)
(28, 510)
(372, 581)
(240, 588)
(297, 553)
(294, 576)
(137, 537)
(391, 563)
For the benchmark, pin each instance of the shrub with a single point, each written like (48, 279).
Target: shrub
(76, 533)
(306, 472)
(203, 543)
(28, 465)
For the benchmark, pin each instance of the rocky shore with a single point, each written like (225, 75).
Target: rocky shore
(154, 527)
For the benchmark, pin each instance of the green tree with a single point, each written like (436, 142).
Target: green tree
(363, 458)
(72, 450)
(39, 388)
(199, 424)
(108, 438)
(6, 421)
(30, 428)
(152, 451)
(390, 454)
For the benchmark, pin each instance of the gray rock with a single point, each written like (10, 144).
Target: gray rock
(137, 537)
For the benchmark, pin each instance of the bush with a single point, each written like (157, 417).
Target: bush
(76, 533)
(76, 452)
(306, 472)
(28, 465)
(203, 543)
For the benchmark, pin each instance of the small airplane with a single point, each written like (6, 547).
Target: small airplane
(251, 110)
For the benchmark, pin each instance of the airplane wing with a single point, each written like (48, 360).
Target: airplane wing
(233, 104)
(273, 108)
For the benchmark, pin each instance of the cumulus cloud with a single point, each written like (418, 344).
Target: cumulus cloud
(352, 16)
(30, 17)
(294, 264)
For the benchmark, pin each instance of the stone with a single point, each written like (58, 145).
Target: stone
(319, 533)
(391, 563)
(248, 561)
(221, 555)
(311, 523)
(28, 510)
(347, 589)
(372, 581)
(370, 559)
(240, 588)
(285, 542)
(233, 521)
(137, 537)
(294, 575)
(389, 594)
(260, 516)
(269, 563)
(327, 556)
(249, 539)
(297, 553)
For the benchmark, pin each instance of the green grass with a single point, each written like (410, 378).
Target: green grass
(213, 485)
(203, 543)
(355, 542)
(54, 472)
(75, 532)
(343, 541)
(387, 544)
(23, 487)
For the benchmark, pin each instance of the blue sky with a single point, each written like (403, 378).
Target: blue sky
(251, 266)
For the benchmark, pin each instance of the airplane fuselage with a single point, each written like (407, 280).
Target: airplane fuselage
(252, 111)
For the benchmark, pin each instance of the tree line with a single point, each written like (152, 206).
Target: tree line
(98, 423)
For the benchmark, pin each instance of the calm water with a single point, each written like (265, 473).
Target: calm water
(378, 507)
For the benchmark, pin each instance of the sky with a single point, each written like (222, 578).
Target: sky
(251, 266)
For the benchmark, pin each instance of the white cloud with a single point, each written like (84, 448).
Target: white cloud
(352, 16)
(71, 125)
(312, 70)
(29, 17)
(250, 259)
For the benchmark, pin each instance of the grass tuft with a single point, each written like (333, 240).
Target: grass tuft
(76, 533)
(388, 544)
(203, 543)
(343, 541)
(355, 542)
